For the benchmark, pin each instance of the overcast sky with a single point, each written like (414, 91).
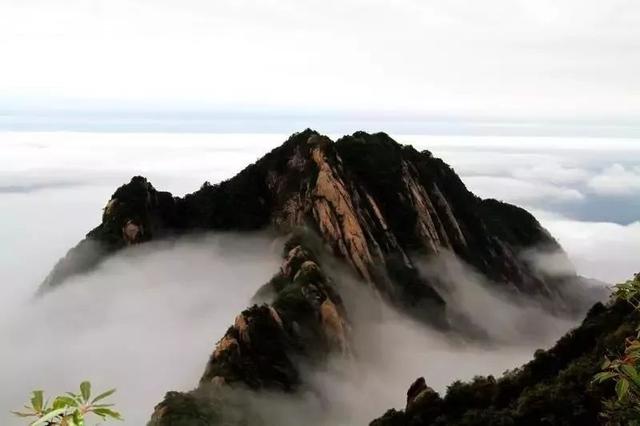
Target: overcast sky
(278, 65)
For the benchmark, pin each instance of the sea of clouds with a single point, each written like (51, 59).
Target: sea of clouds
(146, 321)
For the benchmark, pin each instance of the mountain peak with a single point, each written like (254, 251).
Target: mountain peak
(375, 203)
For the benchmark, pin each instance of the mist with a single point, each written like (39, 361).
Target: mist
(146, 320)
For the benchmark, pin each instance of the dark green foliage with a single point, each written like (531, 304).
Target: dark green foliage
(506, 221)
(555, 388)
(268, 291)
(261, 357)
(298, 301)
(391, 418)
(182, 409)
(480, 392)
(387, 171)
(137, 202)
(623, 369)
(246, 202)
(208, 405)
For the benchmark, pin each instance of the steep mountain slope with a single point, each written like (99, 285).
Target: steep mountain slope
(375, 203)
(555, 388)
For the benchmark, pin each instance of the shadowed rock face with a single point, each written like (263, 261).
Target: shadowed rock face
(375, 204)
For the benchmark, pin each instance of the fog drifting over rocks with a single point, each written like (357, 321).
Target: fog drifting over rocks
(147, 319)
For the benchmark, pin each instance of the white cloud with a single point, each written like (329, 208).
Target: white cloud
(601, 250)
(520, 191)
(616, 180)
(552, 172)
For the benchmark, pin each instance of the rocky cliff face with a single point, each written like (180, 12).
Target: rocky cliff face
(375, 203)
(370, 202)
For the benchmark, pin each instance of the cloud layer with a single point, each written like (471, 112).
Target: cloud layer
(146, 320)
(617, 180)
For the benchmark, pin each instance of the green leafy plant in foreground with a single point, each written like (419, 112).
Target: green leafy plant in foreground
(624, 370)
(69, 409)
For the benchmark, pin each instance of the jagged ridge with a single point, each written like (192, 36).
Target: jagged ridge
(374, 202)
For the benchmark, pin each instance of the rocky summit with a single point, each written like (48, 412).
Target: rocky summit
(374, 205)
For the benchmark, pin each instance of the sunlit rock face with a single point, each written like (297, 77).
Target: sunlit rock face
(376, 204)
